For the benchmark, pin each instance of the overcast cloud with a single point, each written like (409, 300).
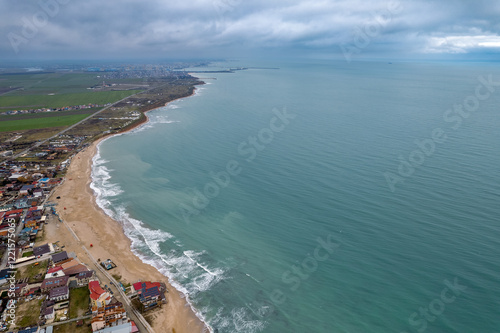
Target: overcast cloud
(229, 28)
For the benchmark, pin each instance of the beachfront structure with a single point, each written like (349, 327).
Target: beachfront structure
(52, 283)
(150, 294)
(124, 328)
(41, 250)
(59, 257)
(98, 297)
(83, 278)
(59, 294)
(75, 270)
(113, 314)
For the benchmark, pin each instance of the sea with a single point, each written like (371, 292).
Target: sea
(320, 196)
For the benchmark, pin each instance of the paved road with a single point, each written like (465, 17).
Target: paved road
(81, 121)
(118, 293)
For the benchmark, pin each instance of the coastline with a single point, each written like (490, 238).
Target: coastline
(77, 206)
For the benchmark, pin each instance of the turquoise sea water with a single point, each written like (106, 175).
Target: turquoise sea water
(267, 197)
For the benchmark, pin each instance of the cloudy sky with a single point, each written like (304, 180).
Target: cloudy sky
(234, 28)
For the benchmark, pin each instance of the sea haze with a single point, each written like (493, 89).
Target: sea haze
(321, 197)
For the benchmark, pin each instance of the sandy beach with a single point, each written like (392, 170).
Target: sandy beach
(92, 226)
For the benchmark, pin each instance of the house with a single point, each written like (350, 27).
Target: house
(59, 294)
(69, 263)
(75, 270)
(83, 278)
(37, 192)
(4, 274)
(129, 327)
(54, 272)
(98, 297)
(112, 315)
(41, 250)
(33, 291)
(49, 313)
(21, 289)
(26, 189)
(51, 283)
(30, 224)
(58, 257)
(150, 293)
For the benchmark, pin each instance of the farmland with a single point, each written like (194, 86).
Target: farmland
(62, 100)
(37, 123)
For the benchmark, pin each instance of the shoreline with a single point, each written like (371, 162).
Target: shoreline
(90, 223)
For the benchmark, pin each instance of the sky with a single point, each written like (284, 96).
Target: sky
(200, 29)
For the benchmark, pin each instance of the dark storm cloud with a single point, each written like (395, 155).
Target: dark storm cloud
(132, 28)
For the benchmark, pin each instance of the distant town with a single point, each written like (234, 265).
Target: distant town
(43, 287)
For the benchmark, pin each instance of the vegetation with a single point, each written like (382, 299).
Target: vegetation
(31, 271)
(57, 101)
(78, 302)
(27, 313)
(73, 328)
(27, 254)
(48, 114)
(37, 123)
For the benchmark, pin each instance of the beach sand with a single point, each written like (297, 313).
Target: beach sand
(93, 226)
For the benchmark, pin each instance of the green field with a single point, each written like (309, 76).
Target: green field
(54, 101)
(79, 302)
(46, 83)
(37, 123)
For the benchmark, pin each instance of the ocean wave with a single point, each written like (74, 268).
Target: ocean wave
(240, 321)
(187, 270)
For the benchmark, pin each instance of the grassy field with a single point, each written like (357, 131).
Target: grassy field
(36, 83)
(47, 114)
(31, 271)
(62, 100)
(27, 313)
(35, 123)
(79, 302)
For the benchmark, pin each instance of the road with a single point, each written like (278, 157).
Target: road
(106, 278)
(81, 121)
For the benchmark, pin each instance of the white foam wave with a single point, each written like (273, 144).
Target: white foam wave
(240, 321)
(185, 269)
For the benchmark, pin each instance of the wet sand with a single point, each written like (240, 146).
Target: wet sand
(92, 226)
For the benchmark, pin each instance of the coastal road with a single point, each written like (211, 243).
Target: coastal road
(118, 293)
(106, 278)
(81, 121)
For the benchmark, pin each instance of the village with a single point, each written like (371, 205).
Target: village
(44, 288)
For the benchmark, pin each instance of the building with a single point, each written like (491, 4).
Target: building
(26, 189)
(83, 278)
(54, 272)
(49, 313)
(111, 315)
(52, 283)
(98, 297)
(59, 294)
(21, 289)
(75, 270)
(129, 327)
(59, 257)
(41, 250)
(150, 294)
